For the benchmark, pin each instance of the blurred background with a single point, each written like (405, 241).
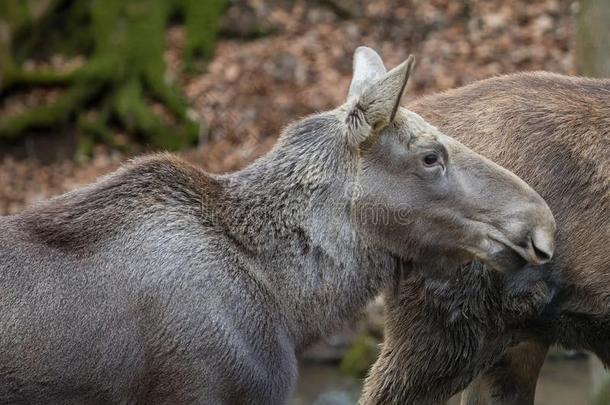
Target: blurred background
(86, 84)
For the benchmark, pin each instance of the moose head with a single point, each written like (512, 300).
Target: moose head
(421, 194)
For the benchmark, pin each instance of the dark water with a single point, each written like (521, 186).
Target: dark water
(562, 382)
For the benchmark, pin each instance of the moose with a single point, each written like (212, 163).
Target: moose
(446, 328)
(163, 284)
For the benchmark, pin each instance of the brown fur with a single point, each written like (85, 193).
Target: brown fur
(554, 132)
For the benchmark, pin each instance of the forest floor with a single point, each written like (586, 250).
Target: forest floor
(300, 62)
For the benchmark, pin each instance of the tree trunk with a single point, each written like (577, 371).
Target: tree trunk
(593, 60)
(593, 38)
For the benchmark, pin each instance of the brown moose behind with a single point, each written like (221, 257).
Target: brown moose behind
(554, 132)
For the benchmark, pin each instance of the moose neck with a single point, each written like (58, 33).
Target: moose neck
(290, 214)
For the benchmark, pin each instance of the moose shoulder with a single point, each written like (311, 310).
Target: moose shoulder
(164, 284)
(554, 132)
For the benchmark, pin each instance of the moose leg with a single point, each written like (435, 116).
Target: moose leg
(512, 380)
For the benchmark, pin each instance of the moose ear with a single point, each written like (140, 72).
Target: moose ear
(368, 68)
(376, 107)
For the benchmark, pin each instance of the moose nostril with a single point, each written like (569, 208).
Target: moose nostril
(540, 254)
(542, 246)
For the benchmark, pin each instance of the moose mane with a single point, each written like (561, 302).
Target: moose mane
(144, 186)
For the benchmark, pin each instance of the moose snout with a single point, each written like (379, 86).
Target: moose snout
(536, 246)
(541, 246)
(533, 236)
(538, 242)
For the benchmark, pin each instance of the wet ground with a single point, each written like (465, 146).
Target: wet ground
(563, 381)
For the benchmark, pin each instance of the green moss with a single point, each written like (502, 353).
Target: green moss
(360, 356)
(602, 395)
(56, 113)
(125, 71)
(202, 20)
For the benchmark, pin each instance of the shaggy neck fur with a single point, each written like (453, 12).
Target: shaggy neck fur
(290, 212)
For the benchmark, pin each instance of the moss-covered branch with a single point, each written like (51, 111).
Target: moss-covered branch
(57, 113)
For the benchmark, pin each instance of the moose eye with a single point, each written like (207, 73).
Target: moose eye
(430, 159)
